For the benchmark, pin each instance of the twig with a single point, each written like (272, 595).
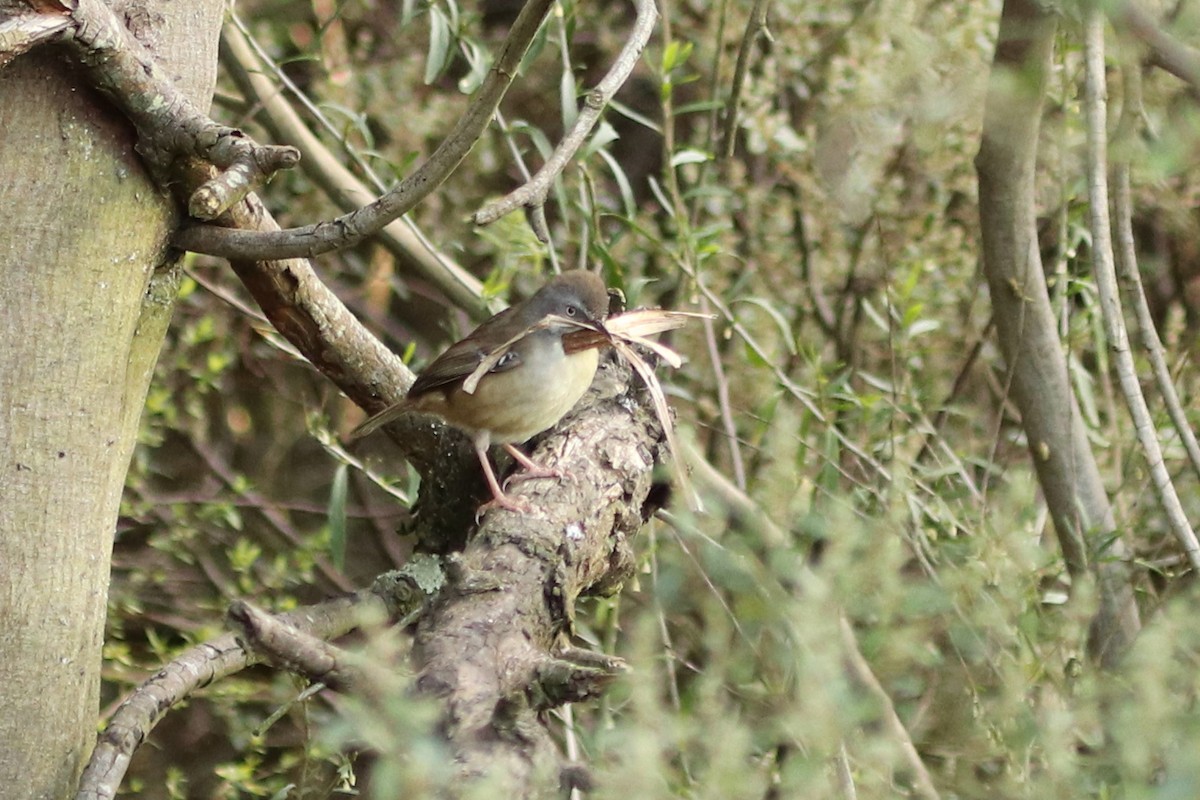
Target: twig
(862, 672)
(265, 507)
(724, 403)
(845, 777)
(533, 193)
(194, 669)
(1095, 115)
(352, 228)
(755, 29)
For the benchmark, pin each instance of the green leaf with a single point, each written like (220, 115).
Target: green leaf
(676, 54)
(439, 44)
(337, 517)
(629, 113)
(777, 316)
(627, 200)
(689, 156)
(566, 97)
(605, 135)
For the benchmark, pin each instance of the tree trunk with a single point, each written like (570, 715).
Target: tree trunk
(85, 296)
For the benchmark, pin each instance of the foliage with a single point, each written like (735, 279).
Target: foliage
(849, 397)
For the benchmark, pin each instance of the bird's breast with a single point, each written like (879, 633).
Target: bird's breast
(517, 403)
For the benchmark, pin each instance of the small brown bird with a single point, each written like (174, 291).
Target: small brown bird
(534, 382)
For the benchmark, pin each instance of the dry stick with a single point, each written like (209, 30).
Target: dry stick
(1095, 115)
(533, 193)
(401, 237)
(352, 228)
(862, 672)
(194, 669)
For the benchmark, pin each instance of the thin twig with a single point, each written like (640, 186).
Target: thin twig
(1095, 115)
(724, 403)
(923, 783)
(757, 28)
(533, 193)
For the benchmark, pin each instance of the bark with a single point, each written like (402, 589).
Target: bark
(85, 297)
(1025, 325)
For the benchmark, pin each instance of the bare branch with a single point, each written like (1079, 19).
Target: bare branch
(1129, 273)
(271, 639)
(352, 228)
(533, 193)
(20, 33)
(195, 669)
(1027, 331)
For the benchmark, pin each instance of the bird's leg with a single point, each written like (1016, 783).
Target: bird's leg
(499, 498)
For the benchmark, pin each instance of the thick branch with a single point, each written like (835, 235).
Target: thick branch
(486, 644)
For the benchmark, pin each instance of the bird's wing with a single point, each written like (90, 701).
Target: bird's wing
(464, 357)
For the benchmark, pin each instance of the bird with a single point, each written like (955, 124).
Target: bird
(542, 356)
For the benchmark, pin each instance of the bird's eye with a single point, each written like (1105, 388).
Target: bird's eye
(572, 311)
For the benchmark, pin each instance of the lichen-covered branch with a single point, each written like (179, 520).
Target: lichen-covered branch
(490, 646)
